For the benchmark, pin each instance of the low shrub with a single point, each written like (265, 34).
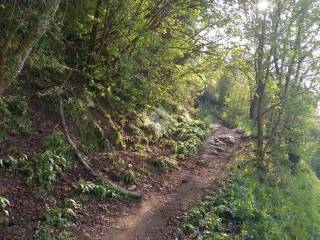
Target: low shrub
(185, 135)
(98, 190)
(4, 203)
(165, 163)
(55, 158)
(18, 164)
(57, 217)
(13, 112)
(253, 209)
(181, 132)
(128, 176)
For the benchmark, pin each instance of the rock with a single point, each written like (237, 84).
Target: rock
(220, 149)
(216, 142)
(184, 181)
(212, 151)
(227, 139)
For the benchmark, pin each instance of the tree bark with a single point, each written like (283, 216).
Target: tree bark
(260, 89)
(18, 59)
(4, 83)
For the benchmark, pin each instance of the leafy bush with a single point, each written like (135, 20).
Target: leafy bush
(180, 128)
(53, 160)
(251, 209)
(3, 204)
(165, 163)
(47, 165)
(58, 217)
(13, 112)
(17, 164)
(98, 190)
(55, 217)
(128, 176)
(237, 106)
(50, 97)
(187, 135)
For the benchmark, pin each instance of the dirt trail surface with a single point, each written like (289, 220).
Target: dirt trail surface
(158, 215)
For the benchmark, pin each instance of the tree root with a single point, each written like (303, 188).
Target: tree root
(85, 163)
(116, 137)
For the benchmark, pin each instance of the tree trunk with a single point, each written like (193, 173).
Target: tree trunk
(4, 83)
(9, 72)
(253, 108)
(259, 120)
(94, 32)
(260, 88)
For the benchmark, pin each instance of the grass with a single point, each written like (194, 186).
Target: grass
(254, 206)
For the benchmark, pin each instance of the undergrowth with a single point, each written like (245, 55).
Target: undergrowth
(255, 207)
(58, 220)
(128, 176)
(186, 135)
(165, 163)
(4, 203)
(54, 158)
(180, 131)
(99, 190)
(13, 112)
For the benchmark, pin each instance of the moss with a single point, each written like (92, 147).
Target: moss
(114, 134)
(91, 133)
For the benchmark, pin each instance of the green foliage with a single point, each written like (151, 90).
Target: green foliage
(165, 163)
(50, 97)
(98, 190)
(18, 164)
(13, 112)
(128, 176)
(249, 208)
(45, 166)
(43, 233)
(55, 158)
(57, 217)
(4, 203)
(223, 85)
(77, 109)
(237, 106)
(182, 132)
(56, 143)
(186, 135)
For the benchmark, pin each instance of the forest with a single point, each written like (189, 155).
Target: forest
(159, 119)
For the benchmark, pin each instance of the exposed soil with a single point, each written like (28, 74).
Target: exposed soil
(160, 212)
(167, 197)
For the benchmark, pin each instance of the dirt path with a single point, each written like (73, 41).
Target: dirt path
(158, 215)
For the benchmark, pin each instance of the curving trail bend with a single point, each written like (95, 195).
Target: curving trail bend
(158, 215)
